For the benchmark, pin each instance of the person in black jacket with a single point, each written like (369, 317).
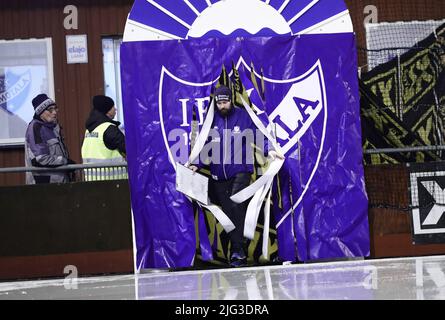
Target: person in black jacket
(104, 141)
(103, 111)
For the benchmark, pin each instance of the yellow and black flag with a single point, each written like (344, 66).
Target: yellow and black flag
(253, 78)
(402, 103)
(238, 88)
(224, 79)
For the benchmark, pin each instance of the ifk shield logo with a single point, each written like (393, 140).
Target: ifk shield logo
(295, 106)
(14, 88)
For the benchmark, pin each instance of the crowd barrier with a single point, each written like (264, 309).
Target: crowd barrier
(49, 230)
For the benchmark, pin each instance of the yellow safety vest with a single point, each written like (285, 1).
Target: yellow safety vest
(95, 151)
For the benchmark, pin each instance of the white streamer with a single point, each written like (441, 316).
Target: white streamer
(251, 219)
(226, 223)
(265, 248)
(259, 189)
(202, 136)
(249, 191)
(253, 209)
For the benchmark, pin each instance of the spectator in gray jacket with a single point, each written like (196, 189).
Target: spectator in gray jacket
(44, 145)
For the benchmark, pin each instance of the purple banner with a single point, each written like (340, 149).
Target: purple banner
(320, 207)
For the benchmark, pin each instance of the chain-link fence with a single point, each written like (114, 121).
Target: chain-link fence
(402, 89)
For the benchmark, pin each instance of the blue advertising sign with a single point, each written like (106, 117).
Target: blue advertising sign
(312, 97)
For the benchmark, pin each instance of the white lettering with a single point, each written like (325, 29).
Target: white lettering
(16, 89)
(179, 149)
(201, 108)
(200, 103)
(184, 112)
(372, 16)
(70, 281)
(192, 310)
(71, 20)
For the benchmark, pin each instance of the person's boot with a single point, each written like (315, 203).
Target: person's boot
(238, 258)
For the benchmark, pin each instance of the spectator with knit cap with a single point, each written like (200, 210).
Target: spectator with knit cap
(104, 141)
(44, 145)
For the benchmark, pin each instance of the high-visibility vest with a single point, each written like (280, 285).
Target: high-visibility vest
(95, 151)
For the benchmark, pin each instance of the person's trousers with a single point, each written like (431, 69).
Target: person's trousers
(220, 193)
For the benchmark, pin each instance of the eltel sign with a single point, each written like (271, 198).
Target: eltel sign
(76, 49)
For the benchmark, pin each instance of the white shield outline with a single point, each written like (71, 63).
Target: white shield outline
(317, 67)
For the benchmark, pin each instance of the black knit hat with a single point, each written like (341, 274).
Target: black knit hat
(102, 104)
(223, 93)
(41, 102)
